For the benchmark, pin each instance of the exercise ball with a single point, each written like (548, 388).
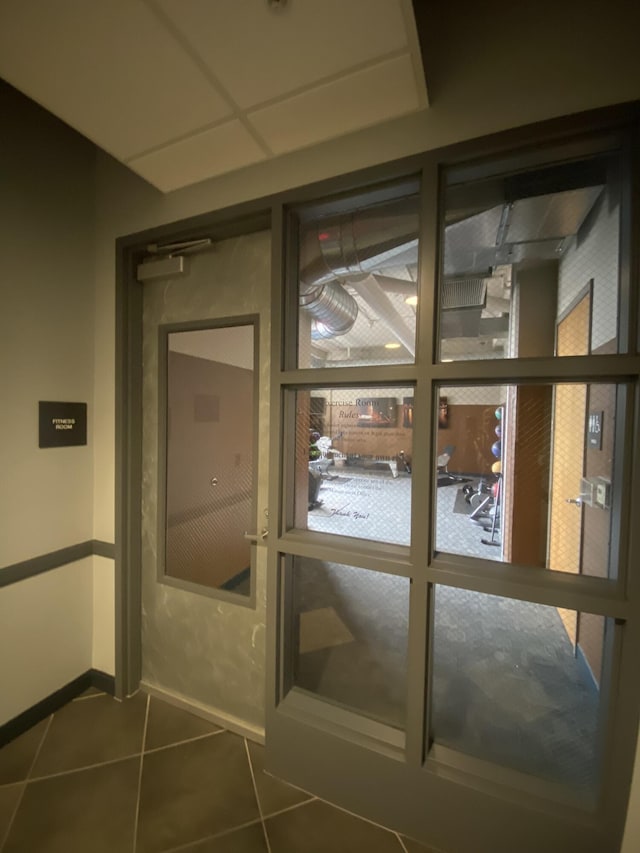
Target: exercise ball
(499, 431)
(498, 413)
(496, 449)
(496, 468)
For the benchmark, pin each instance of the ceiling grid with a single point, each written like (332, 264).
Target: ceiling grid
(184, 90)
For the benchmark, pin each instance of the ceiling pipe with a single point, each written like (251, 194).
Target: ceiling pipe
(370, 292)
(402, 286)
(347, 245)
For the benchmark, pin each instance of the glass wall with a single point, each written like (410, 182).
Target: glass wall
(353, 462)
(350, 640)
(357, 282)
(517, 251)
(527, 474)
(510, 686)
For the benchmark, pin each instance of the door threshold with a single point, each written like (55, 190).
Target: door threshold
(206, 712)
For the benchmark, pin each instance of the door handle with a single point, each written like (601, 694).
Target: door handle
(576, 501)
(257, 537)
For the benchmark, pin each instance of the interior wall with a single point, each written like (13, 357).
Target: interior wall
(45, 635)
(46, 351)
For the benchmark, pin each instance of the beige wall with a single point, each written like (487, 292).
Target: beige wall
(46, 353)
(45, 635)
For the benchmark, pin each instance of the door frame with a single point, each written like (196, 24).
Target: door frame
(623, 596)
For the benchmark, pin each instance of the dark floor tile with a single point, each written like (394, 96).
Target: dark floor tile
(89, 810)
(194, 790)
(273, 794)
(415, 846)
(247, 840)
(90, 732)
(17, 756)
(317, 827)
(9, 796)
(167, 724)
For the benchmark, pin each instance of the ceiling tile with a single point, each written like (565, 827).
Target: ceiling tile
(212, 152)
(109, 69)
(259, 53)
(358, 100)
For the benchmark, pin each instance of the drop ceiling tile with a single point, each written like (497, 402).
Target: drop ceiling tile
(212, 152)
(355, 101)
(259, 53)
(109, 69)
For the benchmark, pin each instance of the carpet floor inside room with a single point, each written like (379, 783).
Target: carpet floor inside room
(141, 776)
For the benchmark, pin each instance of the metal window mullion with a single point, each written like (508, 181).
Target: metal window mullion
(335, 377)
(275, 615)
(361, 553)
(542, 586)
(573, 368)
(422, 498)
(420, 630)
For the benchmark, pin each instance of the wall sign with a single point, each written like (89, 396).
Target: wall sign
(62, 424)
(594, 430)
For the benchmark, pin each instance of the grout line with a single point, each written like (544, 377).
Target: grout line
(189, 845)
(358, 816)
(85, 767)
(90, 696)
(255, 790)
(39, 749)
(181, 742)
(4, 840)
(402, 844)
(137, 814)
(295, 806)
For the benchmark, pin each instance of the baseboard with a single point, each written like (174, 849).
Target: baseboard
(41, 710)
(213, 715)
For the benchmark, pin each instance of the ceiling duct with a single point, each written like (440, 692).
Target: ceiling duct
(348, 245)
(334, 311)
(463, 293)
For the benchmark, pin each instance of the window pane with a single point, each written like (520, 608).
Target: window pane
(357, 291)
(518, 252)
(511, 686)
(525, 474)
(350, 645)
(353, 462)
(210, 438)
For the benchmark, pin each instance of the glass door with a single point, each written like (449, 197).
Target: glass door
(436, 651)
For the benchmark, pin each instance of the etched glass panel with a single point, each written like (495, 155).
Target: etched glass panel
(353, 462)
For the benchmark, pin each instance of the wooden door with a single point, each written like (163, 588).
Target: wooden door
(569, 424)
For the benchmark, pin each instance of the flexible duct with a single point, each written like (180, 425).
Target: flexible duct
(349, 245)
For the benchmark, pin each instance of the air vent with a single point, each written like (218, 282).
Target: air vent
(463, 293)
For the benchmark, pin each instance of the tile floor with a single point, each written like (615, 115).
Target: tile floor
(101, 776)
